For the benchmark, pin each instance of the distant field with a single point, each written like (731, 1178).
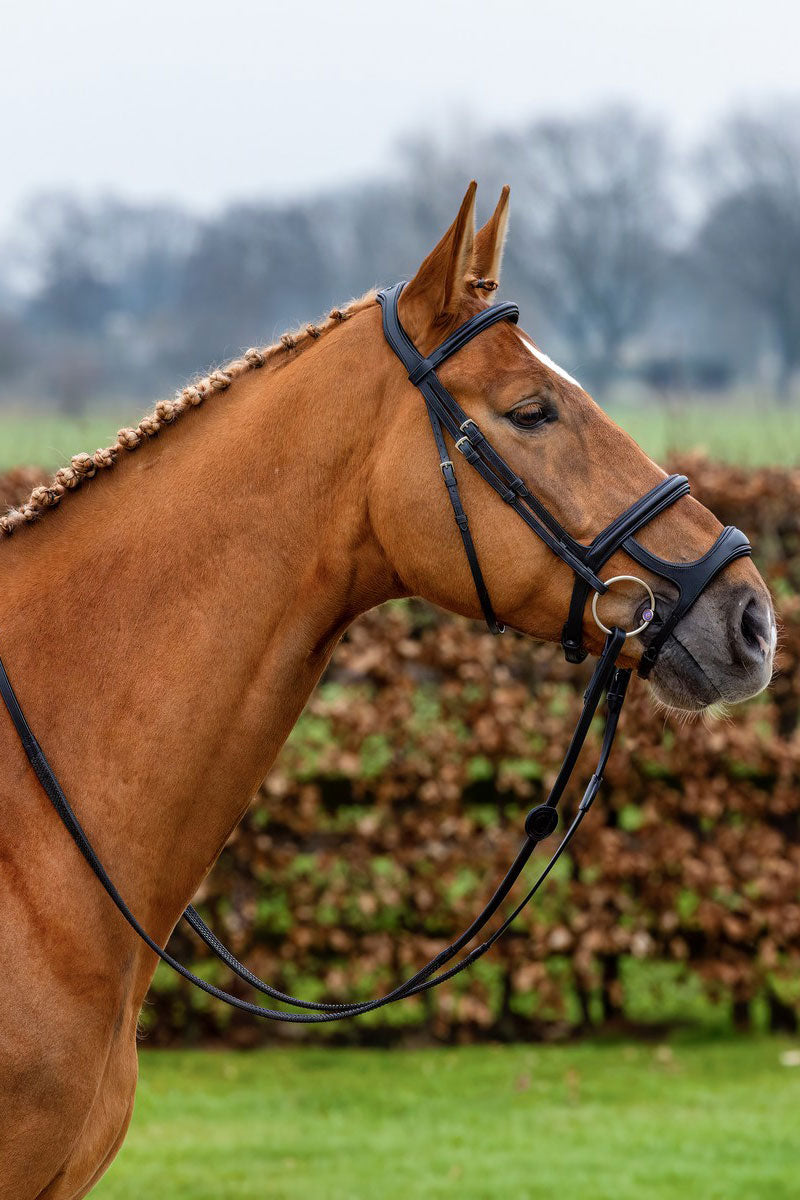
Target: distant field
(593, 1121)
(755, 434)
(50, 440)
(752, 434)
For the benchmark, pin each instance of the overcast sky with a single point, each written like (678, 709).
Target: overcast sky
(205, 101)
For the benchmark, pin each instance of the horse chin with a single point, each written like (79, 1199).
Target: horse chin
(678, 681)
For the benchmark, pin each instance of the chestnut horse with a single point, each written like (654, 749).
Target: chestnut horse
(164, 624)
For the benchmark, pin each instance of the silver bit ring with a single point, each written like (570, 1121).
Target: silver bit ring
(647, 615)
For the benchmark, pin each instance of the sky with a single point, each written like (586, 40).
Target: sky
(205, 102)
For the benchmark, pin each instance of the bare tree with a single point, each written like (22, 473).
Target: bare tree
(14, 348)
(147, 294)
(592, 224)
(94, 259)
(255, 269)
(750, 239)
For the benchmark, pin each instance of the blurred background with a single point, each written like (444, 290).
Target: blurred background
(183, 181)
(179, 187)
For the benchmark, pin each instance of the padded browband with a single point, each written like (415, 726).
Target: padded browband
(465, 333)
(415, 363)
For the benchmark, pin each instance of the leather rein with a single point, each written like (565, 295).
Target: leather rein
(607, 680)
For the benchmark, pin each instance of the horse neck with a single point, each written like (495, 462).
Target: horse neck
(165, 627)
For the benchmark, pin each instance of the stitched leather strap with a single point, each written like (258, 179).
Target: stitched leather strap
(691, 579)
(600, 550)
(462, 521)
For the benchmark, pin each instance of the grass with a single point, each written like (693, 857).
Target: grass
(758, 433)
(49, 440)
(600, 1121)
(748, 433)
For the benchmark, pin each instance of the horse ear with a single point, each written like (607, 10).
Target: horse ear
(487, 257)
(439, 286)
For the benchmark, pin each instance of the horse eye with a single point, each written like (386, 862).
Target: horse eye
(529, 416)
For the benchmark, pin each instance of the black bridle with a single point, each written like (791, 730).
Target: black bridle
(690, 580)
(447, 415)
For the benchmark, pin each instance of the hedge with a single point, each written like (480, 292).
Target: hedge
(399, 800)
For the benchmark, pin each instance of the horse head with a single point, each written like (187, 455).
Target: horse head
(582, 468)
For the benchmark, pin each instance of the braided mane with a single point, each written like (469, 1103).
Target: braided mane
(166, 412)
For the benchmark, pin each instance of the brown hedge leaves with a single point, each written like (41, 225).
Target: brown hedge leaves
(399, 801)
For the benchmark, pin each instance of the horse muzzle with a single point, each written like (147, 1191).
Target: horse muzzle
(721, 651)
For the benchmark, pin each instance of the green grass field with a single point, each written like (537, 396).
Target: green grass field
(758, 433)
(716, 1120)
(49, 440)
(749, 433)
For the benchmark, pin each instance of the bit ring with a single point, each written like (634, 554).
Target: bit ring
(647, 615)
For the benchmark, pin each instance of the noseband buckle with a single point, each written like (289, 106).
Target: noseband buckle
(647, 615)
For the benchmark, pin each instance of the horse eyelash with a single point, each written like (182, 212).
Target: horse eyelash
(546, 413)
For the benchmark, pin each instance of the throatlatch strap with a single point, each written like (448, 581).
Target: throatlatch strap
(462, 521)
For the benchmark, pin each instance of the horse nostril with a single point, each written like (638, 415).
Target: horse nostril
(756, 631)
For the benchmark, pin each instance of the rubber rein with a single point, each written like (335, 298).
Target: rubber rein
(607, 681)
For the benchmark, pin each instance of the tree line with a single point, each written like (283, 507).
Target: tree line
(631, 261)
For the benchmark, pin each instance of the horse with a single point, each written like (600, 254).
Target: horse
(170, 602)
